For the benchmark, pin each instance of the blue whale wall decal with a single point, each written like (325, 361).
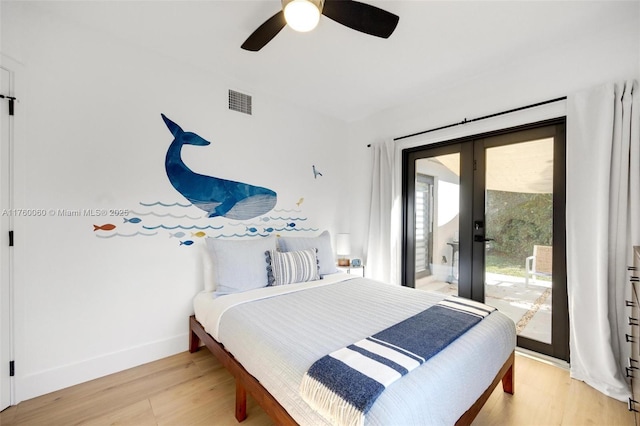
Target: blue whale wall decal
(217, 197)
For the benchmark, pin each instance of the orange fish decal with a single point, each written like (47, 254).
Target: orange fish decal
(106, 227)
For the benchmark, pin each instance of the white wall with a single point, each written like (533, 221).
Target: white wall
(612, 52)
(93, 138)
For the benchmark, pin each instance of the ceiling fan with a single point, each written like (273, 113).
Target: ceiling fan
(303, 15)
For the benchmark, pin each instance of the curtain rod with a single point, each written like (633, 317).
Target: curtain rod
(465, 121)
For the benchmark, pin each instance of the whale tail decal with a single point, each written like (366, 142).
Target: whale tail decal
(173, 127)
(216, 196)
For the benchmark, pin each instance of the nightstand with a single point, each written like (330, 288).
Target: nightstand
(353, 270)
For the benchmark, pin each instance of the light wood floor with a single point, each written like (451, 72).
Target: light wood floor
(194, 389)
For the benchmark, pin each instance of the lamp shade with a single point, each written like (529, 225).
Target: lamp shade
(302, 15)
(343, 244)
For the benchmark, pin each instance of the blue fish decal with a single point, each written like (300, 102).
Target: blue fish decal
(268, 230)
(132, 220)
(186, 243)
(216, 196)
(291, 225)
(252, 229)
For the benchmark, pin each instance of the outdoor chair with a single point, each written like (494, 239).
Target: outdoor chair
(540, 264)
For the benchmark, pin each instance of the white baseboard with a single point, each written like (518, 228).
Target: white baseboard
(43, 382)
(543, 358)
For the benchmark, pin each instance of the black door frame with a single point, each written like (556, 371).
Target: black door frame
(471, 255)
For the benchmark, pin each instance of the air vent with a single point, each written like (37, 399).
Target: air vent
(239, 102)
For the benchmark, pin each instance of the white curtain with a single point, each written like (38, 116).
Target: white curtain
(603, 223)
(380, 254)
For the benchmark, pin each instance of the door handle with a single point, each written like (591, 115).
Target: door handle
(481, 239)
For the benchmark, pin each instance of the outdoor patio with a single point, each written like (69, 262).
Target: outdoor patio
(528, 306)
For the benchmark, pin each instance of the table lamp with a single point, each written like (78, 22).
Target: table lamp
(343, 249)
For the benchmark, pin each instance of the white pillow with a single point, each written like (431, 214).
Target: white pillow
(239, 265)
(322, 242)
(292, 267)
(207, 268)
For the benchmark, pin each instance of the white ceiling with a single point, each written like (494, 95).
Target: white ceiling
(338, 71)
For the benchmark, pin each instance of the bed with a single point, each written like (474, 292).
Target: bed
(269, 336)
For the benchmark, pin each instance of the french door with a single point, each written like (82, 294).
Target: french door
(496, 227)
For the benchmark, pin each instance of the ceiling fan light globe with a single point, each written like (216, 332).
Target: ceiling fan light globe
(302, 15)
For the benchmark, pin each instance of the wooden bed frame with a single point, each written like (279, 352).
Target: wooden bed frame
(245, 382)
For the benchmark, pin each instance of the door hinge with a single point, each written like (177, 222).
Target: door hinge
(12, 368)
(11, 100)
(10, 238)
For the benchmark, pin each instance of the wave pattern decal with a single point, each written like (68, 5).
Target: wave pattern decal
(183, 227)
(182, 224)
(287, 210)
(174, 216)
(160, 203)
(135, 234)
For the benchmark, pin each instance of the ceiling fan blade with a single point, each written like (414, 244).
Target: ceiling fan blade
(265, 32)
(361, 17)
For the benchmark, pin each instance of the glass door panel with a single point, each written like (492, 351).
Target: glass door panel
(519, 229)
(424, 225)
(436, 223)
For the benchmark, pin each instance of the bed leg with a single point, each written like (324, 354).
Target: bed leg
(241, 402)
(194, 340)
(508, 382)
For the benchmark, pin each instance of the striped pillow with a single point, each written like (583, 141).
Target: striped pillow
(292, 266)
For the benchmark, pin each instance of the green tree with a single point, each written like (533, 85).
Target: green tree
(517, 221)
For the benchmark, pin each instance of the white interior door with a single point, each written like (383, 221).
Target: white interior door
(5, 256)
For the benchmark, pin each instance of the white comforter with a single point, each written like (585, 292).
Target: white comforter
(277, 333)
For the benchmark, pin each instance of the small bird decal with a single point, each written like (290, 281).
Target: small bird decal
(105, 227)
(301, 200)
(316, 172)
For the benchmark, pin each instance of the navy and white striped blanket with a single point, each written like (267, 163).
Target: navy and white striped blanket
(343, 385)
